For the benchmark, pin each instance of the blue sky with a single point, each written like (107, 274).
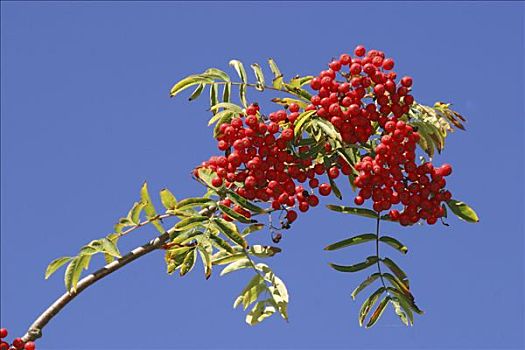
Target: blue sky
(86, 118)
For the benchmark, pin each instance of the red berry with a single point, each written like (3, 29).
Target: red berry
(293, 107)
(360, 51)
(4, 346)
(446, 169)
(291, 216)
(359, 200)
(313, 200)
(394, 214)
(30, 346)
(18, 343)
(335, 65)
(313, 183)
(303, 206)
(251, 110)
(325, 189)
(216, 182)
(406, 81)
(345, 59)
(388, 64)
(333, 172)
(3, 332)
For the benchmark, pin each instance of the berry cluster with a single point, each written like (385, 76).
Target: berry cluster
(368, 94)
(261, 163)
(17, 343)
(392, 177)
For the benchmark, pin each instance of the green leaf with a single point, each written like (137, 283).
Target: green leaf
(394, 243)
(226, 92)
(366, 237)
(368, 304)
(398, 284)
(251, 292)
(301, 93)
(226, 259)
(188, 82)
(300, 81)
(402, 312)
(186, 236)
(350, 210)
(188, 262)
(91, 248)
(123, 223)
(134, 213)
(213, 94)
(259, 76)
(191, 222)
(301, 120)
(175, 257)
(226, 118)
(227, 106)
(221, 244)
(365, 284)
(277, 75)
(193, 202)
(404, 299)
(398, 272)
(378, 312)
(168, 199)
(356, 267)
(243, 202)
(239, 68)
(56, 264)
(236, 265)
(279, 293)
(73, 271)
(214, 73)
(109, 247)
(197, 92)
(230, 230)
(263, 251)
(335, 189)
(149, 208)
(462, 210)
(234, 215)
(252, 228)
(328, 129)
(286, 101)
(259, 312)
(206, 261)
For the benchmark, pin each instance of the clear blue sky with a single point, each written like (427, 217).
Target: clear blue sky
(86, 118)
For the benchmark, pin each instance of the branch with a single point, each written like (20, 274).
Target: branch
(35, 330)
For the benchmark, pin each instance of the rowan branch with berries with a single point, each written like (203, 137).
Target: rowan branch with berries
(354, 120)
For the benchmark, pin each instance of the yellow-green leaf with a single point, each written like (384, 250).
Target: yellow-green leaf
(56, 264)
(378, 312)
(230, 230)
(188, 82)
(366, 237)
(356, 267)
(462, 210)
(259, 76)
(168, 199)
(394, 243)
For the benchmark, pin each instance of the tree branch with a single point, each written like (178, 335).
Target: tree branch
(35, 330)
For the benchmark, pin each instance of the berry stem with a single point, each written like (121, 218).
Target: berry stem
(35, 330)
